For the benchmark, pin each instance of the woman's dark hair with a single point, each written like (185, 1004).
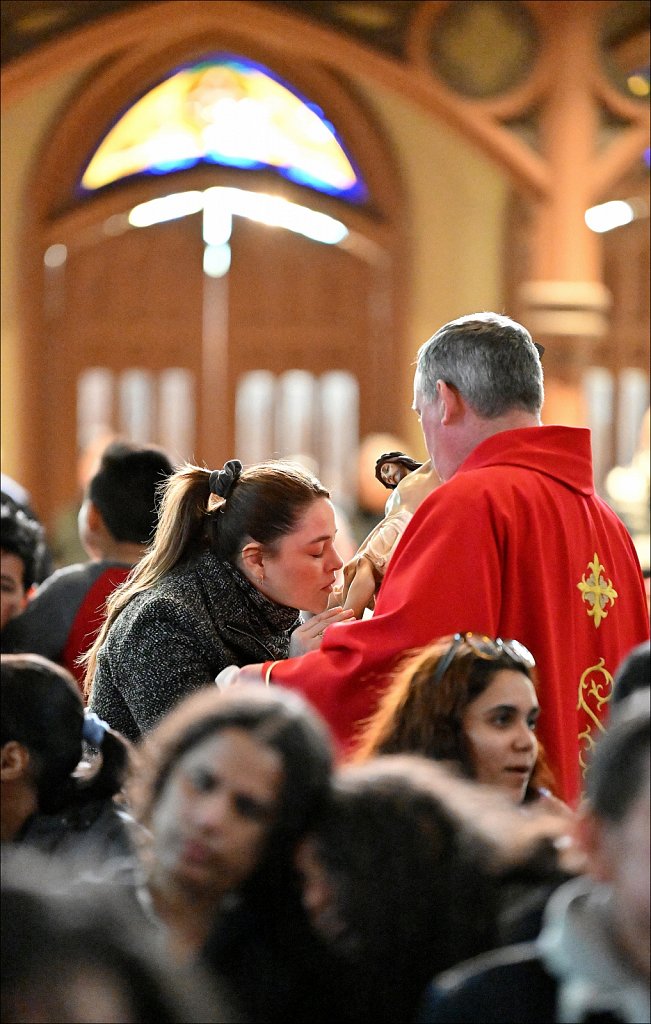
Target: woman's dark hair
(71, 952)
(266, 502)
(419, 714)
(279, 719)
(251, 946)
(416, 874)
(42, 710)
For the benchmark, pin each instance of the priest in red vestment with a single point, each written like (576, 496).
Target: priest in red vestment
(515, 543)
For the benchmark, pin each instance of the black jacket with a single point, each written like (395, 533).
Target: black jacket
(178, 635)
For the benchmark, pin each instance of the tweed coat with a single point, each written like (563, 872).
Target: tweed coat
(178, 635)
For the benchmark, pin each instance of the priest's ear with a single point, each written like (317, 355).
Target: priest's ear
(451, 404)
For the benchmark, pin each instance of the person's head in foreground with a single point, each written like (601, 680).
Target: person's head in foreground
(615, 828)
(79, 957)
(228, 783)
(403, 874)
(42, 727)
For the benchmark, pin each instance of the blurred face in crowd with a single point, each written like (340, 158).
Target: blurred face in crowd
(621, 857)
(214, 814)
(499, 730)
(319, 895)
(301, 571)
(12, 587)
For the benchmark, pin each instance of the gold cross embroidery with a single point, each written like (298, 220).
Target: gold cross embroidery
(596, 592)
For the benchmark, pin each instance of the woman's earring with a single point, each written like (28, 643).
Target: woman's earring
(261, 579)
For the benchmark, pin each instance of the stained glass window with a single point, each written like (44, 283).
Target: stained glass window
(231, 111)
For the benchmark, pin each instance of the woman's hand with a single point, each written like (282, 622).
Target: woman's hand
(308, 637)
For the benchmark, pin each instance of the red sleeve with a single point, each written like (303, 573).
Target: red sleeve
(422, 597)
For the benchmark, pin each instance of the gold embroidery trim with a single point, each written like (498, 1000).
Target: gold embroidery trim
(599, 691)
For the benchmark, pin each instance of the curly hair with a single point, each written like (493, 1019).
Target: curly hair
(419, 714)
(25, 538)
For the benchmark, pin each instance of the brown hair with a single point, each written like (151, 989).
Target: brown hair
(265, 503)
(419, 715)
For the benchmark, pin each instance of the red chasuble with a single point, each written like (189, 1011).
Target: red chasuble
(516, 544)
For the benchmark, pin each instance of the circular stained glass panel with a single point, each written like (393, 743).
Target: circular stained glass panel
(625, 47)
(483, 48)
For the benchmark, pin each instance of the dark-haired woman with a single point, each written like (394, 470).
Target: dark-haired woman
(411, 870)
(471, 701)
(51, 799)
(237, 555)
(225, 787)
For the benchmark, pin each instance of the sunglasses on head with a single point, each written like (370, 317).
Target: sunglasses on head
(487, 648)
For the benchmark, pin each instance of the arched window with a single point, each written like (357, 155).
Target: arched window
(214, 249)
(231, 111)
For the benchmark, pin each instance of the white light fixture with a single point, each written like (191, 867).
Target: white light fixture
(217, 217)
(217, 260)
(55, 255)
(157, 211)
(278, 212)
(611, 215)
(219, 204)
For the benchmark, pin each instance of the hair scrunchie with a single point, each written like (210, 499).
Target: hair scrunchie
(222, 481)
(94, 729)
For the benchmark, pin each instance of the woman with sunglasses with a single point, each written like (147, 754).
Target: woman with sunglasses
(469, 700)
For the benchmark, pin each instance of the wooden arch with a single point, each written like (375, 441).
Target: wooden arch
(569, 171)
(375, 251)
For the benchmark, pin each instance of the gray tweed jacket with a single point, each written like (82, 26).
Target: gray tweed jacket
(178, 635)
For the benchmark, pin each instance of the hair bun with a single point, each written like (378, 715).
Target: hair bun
(222, 481)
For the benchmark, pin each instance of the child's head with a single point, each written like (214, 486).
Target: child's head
(21, 552)
(41, 733)
(124, 491)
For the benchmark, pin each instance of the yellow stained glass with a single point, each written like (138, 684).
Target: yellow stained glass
(230, 111)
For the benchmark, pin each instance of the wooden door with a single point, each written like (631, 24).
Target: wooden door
(141, 300)
(127, 302)
(296, 304)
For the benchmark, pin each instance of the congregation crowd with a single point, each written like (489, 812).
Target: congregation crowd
(242, 781)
